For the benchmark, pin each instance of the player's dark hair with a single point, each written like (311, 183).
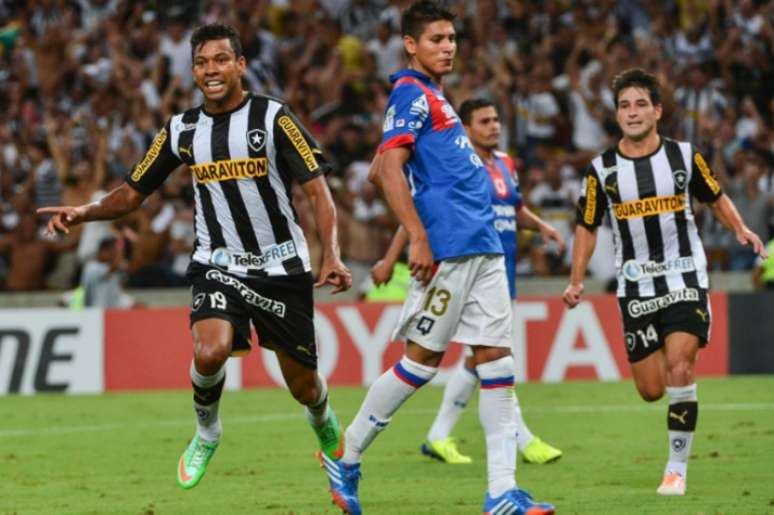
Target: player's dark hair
(419, 14)
(215, 31)
(470, 105)
(637, 78)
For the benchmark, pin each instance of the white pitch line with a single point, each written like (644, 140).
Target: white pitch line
(284, 417)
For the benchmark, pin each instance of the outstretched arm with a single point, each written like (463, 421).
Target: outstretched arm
(332, 270)
(115, 204)
(583, 248)
(726, 213)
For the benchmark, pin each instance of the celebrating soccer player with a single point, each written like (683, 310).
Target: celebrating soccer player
(437, 187)
(251, 262)
(647, 184)
(482, 125)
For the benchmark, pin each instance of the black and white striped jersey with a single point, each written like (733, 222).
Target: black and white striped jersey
(242, 163)
(648, 199)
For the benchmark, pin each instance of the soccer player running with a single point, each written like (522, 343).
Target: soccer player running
(482, 125)
(647, 184)
(434, 182)
(250, 262)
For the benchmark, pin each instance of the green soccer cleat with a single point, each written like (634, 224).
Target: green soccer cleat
(193, 462)
(445, 450)
(330, 437)
(538, 451)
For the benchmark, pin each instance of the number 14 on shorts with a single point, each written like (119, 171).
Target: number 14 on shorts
(647, 337)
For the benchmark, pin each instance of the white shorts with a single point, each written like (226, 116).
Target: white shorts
(467, 301)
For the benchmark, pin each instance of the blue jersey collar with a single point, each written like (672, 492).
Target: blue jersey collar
(408, 72)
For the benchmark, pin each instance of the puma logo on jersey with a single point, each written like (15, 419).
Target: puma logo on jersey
(702, 314)
(681, 418)
(612, 188)
(186, 150)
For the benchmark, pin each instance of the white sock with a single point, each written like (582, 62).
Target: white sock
(383, 399)
(523, 434)
(317, 412)
(207, 390)
(498, 418)
(455, 397)
(682, 399)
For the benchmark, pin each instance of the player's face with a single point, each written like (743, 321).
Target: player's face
(636, 114)
(484, 128)
(218, 72)
(433, 53)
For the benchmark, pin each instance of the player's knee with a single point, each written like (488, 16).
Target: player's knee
(305, 390)
(680, 371)
(211, 354)
(650, 392)
(496, 373)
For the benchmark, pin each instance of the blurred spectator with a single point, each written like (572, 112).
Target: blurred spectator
(387, 49)
(102, 277)
(28, 254)
(754, 206)
(553, 199)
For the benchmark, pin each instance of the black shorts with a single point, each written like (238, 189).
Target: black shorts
(648, 320)
(280, 308)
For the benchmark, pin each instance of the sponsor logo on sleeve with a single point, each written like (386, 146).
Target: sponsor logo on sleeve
(389, 119)
(640, 307)
(591, 200)
(706, 173)
(297, 139)
(150, 156)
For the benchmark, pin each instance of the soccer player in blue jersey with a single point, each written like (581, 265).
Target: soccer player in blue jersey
(434, 182)
(482, 124)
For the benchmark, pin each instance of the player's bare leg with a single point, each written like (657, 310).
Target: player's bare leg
(650, 376)
(213, 338)
(309, 388)
(681, 350)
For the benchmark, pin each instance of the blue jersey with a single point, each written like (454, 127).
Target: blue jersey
(447, 182)
(506, 199)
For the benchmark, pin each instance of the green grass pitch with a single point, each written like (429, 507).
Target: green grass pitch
(118, 454)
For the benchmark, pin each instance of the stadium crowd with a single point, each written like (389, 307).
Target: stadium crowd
(84, 85)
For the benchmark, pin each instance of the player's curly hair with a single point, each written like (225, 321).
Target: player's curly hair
(215, 31)
(637, 78)
(419, 14)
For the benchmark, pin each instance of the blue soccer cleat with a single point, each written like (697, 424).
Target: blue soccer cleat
(343, 479)
(515, 502)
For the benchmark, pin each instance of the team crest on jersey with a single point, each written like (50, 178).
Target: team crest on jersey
(680, 177)
(256, 139)
(419, 107)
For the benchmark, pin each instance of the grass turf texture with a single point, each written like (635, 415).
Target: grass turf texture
(118, 454)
